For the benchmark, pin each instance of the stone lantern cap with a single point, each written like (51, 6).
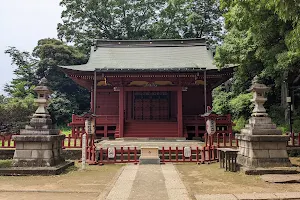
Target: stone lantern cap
(42, 87)
(259, 98)
(41, 123)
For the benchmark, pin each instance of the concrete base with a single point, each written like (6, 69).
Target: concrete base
(278, 170)
(257, 151)
(45, 171)
(153, 161)
(38, 150)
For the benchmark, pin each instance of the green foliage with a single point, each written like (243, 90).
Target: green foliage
(43, 62)
(239, 123)
(262, 39)
(65, 130)
(221, 101)
(241, 105)
(61, 108)
(16, 112)
(226, 102)
(5, 163)
(84, 21)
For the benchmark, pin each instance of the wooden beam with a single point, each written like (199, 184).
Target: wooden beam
(179, 112)
(95, 92)
(121, 112)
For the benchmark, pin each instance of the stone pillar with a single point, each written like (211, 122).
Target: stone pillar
(261, 145)
(39, 144)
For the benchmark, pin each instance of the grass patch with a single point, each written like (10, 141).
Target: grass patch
(5, 163)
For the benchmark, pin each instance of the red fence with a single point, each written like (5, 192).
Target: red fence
(131, 155)
(294, 140)
(218, 140)
(7, 142)
(69, 142)
(72, 142)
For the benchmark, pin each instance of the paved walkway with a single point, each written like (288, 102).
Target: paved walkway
(246, 196)
(162, 182)
(148, 182)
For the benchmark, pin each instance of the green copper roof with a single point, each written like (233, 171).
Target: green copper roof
(147, 55)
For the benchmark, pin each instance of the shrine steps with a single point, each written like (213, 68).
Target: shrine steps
(151, 129)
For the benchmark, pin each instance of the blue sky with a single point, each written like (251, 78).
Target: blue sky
(22, 24)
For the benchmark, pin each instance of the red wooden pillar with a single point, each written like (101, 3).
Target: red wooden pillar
(179, 112)
(121, 112)
(92, 99)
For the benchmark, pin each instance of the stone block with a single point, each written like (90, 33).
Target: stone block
(281, 145)
(19, 145)
(242, 150)
(258, 153)
(56, 152)
(278, 153)
(273, 162)
(262, 126)
(23, 154)
(246, 152)
(149, 155)
(265, 131)
(260, 120)
(152, 161)
(268, 145)
(37, 154)
(242, 143)
(46, 145)
(55, 144)
(32, 145)
(48, 154)
(253, 145)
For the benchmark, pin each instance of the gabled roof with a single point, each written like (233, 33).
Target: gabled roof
(148, 55)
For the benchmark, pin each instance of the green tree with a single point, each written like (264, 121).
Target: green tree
(44, 62)
(22, 85)
(261, 40)
(84, 21)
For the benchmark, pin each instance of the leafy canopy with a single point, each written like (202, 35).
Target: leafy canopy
(86, 20)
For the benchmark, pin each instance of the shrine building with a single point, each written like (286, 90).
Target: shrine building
(149, 88)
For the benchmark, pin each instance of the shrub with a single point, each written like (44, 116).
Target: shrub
(239, 124)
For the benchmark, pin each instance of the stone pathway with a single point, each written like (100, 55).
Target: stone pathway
(246, 196)
(162, 182)
(148, 182)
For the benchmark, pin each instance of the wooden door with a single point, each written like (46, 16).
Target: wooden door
(151, 105)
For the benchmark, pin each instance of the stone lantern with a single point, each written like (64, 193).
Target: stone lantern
(261, 144)
(39, 144)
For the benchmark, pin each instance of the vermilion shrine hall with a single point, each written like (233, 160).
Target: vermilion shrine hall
(149, 88)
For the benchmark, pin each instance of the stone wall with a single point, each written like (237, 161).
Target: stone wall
(67, 154)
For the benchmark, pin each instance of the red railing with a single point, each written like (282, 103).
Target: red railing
(69, 142)
(77, 124)
(218, 140)
(131, 155)
(294, 140)
(221, 140)
(7, 142)
(72, 142)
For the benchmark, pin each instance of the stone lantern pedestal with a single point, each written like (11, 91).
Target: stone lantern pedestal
(261, 144)
(39, 145)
